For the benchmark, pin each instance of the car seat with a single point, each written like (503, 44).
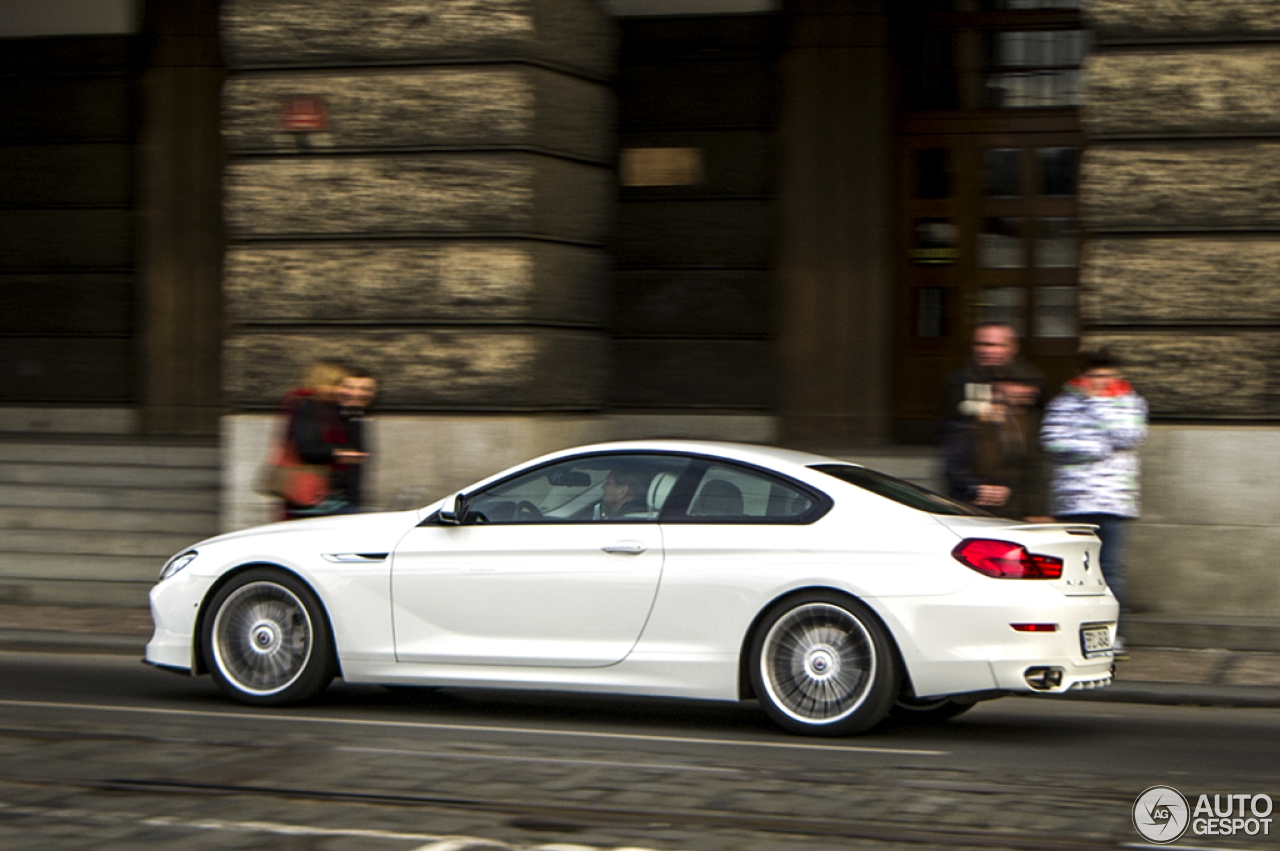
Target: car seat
(717, 498)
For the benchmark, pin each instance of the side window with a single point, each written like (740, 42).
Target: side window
(591, 489)
(737, 494)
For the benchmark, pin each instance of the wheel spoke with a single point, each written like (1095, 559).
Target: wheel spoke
(262, 638)
(819, 662)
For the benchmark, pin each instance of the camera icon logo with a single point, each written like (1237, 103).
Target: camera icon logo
(1161, 815)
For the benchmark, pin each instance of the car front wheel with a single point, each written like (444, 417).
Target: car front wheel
(266, 640)
(822, 664)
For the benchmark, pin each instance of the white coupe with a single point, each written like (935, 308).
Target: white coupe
(830, 593)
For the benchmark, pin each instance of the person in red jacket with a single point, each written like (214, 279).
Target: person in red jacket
(314, 435)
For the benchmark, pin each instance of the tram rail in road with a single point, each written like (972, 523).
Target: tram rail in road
(561, 817)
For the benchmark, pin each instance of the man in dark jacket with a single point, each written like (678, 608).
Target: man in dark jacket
(355, 393)
(968, 389)
(994, 462)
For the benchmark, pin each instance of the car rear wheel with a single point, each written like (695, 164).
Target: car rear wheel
(266, 639)
(822, 664)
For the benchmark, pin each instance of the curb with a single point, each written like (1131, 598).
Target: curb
(1183, 694)
(49, 641)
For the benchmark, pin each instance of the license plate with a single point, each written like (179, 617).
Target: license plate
(1095, 641)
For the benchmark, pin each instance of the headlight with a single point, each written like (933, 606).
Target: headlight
(176, 563)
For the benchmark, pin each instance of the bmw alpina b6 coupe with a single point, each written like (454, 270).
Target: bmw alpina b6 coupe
(831, 594)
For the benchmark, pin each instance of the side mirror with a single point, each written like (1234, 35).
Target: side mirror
(454, 511)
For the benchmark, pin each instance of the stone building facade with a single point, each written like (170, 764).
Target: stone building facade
(547, 222)
(1180, 276)
(440, 217)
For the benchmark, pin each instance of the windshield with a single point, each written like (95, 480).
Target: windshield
(901, 492)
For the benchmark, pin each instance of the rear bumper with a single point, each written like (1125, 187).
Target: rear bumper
(1052, 676)
(967, 643)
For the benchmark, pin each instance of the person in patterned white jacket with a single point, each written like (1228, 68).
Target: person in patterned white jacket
(1091, 432)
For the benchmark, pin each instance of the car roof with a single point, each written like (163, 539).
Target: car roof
(765, 456)
(790, 461)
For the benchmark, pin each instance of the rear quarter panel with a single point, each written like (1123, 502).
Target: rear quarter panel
(718, 579)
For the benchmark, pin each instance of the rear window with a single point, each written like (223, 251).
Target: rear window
(903, 493)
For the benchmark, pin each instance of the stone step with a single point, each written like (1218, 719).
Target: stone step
(100, 453)
(41, 591)
(203, 523)
(89, 543)
(16, 568)
(106, 497)
(45, 421)
(115, 476)
(90, 519)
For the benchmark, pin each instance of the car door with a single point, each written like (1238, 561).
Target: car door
(738, 528)
(536, 574)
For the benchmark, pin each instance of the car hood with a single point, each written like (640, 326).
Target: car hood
(355, 526)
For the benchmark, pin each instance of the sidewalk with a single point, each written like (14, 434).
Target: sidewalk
(1150, 675)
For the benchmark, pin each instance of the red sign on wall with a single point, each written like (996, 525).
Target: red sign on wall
(304, 114)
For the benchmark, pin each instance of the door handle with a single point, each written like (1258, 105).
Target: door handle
(627, 548)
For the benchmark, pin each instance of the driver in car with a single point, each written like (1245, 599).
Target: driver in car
(625, 493)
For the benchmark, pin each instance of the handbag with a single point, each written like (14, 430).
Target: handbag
(293, 481)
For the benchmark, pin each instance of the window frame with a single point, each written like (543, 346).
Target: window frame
(675, 508)
(685, 489)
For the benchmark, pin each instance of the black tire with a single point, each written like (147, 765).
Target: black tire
(929, 711)
(822, 664)
(266, 639)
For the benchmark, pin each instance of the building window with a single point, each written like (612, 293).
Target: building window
(1000, 243)
(1034, 69)
(989, 125)
(1055, 316)
(1023, 5)
(931, 74)
(1059, 171)
(1057, 241)
(1006, 305)
(933, 173)
(1002, 172)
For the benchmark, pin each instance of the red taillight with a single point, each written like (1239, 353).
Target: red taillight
(1035, 627)
(1004, 560)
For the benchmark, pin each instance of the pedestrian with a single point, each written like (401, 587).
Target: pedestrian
(995, 462)
(1091, 432)
(968, 389)
(313, 445)
(355, 393)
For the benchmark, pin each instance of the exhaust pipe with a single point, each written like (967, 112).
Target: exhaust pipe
(1043, 679)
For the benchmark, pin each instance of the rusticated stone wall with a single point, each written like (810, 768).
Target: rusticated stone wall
(1180, 274)
(1183, 113)
(446, 226)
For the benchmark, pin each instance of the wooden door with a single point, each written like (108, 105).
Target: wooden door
(987, 215)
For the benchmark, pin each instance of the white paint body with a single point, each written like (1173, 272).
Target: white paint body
(670, 611)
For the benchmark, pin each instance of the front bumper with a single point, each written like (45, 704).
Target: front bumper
(175, 606)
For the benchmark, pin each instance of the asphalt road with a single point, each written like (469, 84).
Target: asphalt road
(101, 752)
